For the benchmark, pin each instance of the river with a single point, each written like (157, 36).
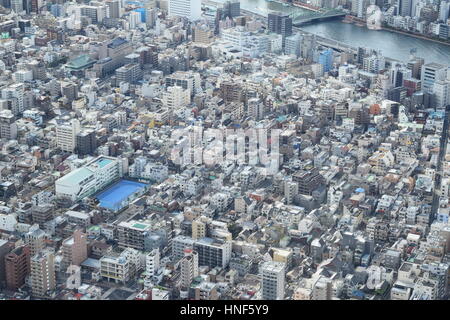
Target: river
(393, 45)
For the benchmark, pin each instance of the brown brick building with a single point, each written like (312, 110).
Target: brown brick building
(17, 267)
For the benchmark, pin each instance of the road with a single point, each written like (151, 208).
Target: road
(442, 152)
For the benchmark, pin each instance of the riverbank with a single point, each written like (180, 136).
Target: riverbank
(415, 35)
(395, 46)
(359, 22)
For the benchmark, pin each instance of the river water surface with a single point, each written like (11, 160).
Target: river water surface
(393, 45)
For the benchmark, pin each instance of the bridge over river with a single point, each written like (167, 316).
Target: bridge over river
(300, 18)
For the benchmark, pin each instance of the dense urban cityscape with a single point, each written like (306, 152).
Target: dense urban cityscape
(218, 150)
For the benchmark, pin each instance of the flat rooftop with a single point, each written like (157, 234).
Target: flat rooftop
(102, 162)
(75, 176)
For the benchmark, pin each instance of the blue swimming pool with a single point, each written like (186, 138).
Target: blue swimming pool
(116, 196)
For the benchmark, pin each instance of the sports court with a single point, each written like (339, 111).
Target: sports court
(116, 196)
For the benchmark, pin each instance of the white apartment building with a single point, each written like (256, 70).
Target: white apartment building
(120, 268)
(152, 262)
(441, 90)
(432, 72)
(115, 268)
(235, 36)
(15, 93)
(190, 9)
(134, 19)
(23, 75)
(374, 63)
(176, 97)
(148, 170)
(155, 171)
(66, 135)
(272, 280)
(8, 222)
(8, 126)
(42, 275)
(290, 191)
(188, 80)
(189, 267)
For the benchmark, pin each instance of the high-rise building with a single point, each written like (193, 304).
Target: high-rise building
(179, 244)
(17, 267)
(231, 9)
(441, 90)
(143, 14)
(322, 289)
(186, 80)
(412, 85)
(272, 280)
(189, 267)
(198, 229)
(256, 108)
(415, 65)
(113, 8)
(69, 90)
(202, 34)
(326, 59)
(134, 19)
(130, 73)
(213, 252)
(190, 9)
(42, 214)
(231, 91)
(432, 72)
(86, 142)
(15, 95)
(8, 126)
(374, 63)
(398, 73)
(56, 9)
(360, 55)
(132, 234)
(74, 249)
(176, 97)
(96, 11)
(293, 44)
(359, 7)
(120, 268)
(112, 56)
(290, 191)
(4, 250)
(66, 132)
(35, 239)
(280, 23)
(308, 181)
(397, 94)
(405, 8)
(152, 262)
(43, 278)
(444, 9)
(17, 6)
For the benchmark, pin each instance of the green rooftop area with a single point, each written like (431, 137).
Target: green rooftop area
(76, 176)
(102, 162)
(139, 226)
(80, 62)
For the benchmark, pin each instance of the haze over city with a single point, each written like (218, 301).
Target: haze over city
(224, 150)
